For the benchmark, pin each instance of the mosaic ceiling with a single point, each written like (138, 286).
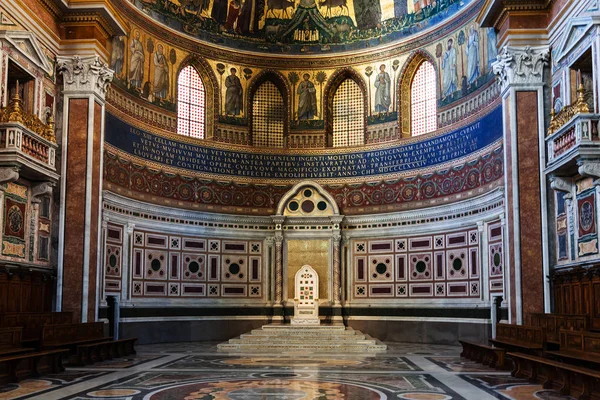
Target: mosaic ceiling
(301, 26)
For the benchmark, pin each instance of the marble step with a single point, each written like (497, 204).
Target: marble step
(270, 347)
(358, 341)
(302, 331)
(309, 337)
(334, 327)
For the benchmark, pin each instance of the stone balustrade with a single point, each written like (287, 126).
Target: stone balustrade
(581, 131)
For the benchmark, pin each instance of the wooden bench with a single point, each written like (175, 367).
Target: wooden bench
(579, 347)
(10, 342)
(553, 323)
(86, 342)
(33, 322)
(484, 354)
(568, 379)
(520, 338)
(18, 366)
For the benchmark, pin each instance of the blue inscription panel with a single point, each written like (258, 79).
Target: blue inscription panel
(405, 157)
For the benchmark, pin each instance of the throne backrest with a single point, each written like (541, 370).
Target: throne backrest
(306, 286)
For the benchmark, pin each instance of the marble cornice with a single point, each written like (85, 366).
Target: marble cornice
(494, 12)
(115, 200)
(486, 201)
(86, 18)
(52, 7)
(122, 209)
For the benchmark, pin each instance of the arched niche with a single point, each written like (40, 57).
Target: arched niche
(309, 235)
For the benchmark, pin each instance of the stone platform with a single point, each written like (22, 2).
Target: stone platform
(317, 338)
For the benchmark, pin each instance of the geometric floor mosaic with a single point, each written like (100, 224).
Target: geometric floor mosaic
(197, 371)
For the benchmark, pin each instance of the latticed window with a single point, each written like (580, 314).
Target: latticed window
(190, 103)
(268, 115)
(348, 118)
(423, 100)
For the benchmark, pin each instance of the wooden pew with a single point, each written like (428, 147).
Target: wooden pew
(484, 354)
(32, 322)
(10, 342)
(553, 323)
(579, 382)
(86, 342)
(18, 366)
(579, 347)
(520, 338)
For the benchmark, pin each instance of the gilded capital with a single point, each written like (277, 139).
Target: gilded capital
(85, 75)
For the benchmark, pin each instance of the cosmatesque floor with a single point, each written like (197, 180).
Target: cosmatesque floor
(192, 371)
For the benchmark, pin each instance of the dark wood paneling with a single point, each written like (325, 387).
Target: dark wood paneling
(577, 291)
(25, 292)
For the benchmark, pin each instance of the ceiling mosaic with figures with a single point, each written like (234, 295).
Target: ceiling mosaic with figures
(301, 26)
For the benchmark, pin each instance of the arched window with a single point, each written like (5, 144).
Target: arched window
(268, 116)
(348, 115)
(190, 103)
(423, 100)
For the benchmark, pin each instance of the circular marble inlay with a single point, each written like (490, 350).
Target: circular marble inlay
(194, 267)
(234, 268)
(457, 264)
(322, 206)
(425, 396)
(293, 206)
(307, 193)
(266, 393)
(112, 260)
(497, 259)
(421, 267)
(113, 393)
(308, 206)
(274, 388)
(381, 268)
(155, 264)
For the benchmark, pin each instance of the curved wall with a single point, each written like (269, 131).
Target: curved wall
(427, 211)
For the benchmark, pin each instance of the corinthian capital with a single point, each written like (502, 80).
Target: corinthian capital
(84, 75)
(515, 65)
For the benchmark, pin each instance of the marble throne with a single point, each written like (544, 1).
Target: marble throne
(306, 298)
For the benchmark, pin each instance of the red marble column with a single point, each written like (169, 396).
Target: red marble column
(85, 82)
(75, 183)
(523, 85)
(530, 204)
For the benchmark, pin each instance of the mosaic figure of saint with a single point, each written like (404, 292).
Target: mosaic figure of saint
(367, 13)
(492, 46)
(307, 99)
(383, 85)
(136, 62)
(161, 74)
(219, 11)
(117, 55)
(449, 77)
(232, 15)
(250, 14)
(233, 94)
(472, 55)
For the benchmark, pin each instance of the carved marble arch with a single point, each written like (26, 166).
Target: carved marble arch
(211, 90)
(334, 82)
(307, 199)
(405, 80)
(280, 82)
